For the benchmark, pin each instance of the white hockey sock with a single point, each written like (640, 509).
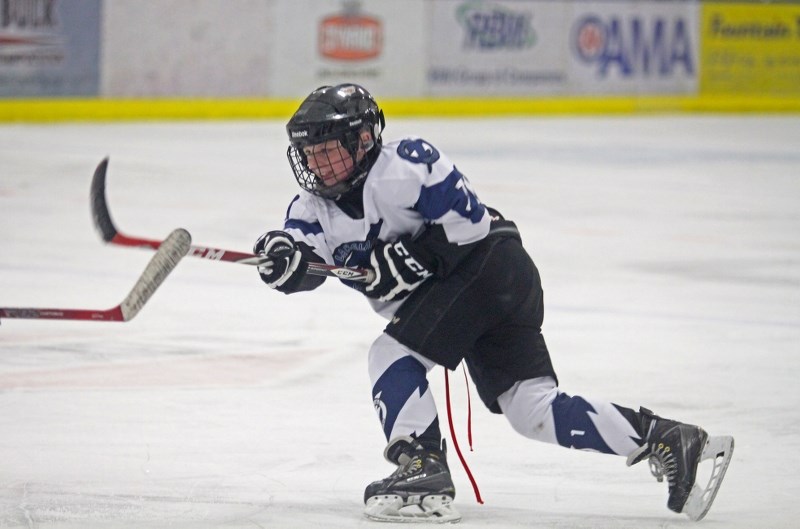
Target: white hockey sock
(538, 410)
(400, 391)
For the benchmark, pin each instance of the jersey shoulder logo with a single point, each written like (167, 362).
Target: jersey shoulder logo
(418, 151)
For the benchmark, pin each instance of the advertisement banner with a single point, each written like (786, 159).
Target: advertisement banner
(496, 47)
(49, 48)
(376, 43)
(750, 49)
(647, 47)
(187, 48)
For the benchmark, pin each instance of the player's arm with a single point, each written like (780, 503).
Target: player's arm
(455, 222)
(455, 219)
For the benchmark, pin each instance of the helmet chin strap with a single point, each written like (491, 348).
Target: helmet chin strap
(333, 192)
(336, 191)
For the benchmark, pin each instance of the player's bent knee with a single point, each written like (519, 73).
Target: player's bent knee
(528, 407)
(385, 351)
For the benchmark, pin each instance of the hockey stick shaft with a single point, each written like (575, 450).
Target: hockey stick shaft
(110, 234)
(169, 254)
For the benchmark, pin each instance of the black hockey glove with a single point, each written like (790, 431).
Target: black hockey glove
(287, 268)
(398, 271)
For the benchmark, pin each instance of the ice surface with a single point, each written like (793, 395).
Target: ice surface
(670, 253)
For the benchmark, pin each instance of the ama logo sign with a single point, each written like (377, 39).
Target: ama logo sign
(635, 46)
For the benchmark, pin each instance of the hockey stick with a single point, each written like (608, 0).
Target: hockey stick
(169, 254)
(110, 234)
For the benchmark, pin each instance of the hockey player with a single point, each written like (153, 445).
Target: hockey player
(454, 281)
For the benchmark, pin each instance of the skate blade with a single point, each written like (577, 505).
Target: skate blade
(432, 509)
(720, 450)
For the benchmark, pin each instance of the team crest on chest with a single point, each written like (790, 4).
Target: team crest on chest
(356, 253)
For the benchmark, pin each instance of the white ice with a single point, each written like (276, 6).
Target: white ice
(669, 248)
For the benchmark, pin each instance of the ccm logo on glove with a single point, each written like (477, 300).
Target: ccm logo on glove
(410, 262)
(397, 271)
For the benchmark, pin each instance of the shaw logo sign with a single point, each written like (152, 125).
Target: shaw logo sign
(493, 27)
(350, 36)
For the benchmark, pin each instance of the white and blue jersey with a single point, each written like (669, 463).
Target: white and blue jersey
(410, 187)
(413, 189)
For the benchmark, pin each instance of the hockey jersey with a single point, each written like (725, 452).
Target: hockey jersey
(411, 187)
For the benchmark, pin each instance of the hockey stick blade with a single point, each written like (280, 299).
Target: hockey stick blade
(110, 234)
(169, 254)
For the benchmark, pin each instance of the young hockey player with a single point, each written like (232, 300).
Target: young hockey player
(454, 281)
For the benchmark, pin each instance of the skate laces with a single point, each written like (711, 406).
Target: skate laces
(469, 430)
(660, 458)
(411, 467)
(662, 463)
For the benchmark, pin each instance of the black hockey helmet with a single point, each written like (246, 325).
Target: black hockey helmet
(341, 113)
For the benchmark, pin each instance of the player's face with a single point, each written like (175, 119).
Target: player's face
(330, 161)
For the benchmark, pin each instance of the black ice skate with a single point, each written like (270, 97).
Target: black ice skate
(675, 450)
(420, 490)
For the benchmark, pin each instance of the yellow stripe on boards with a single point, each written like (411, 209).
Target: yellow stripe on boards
(58, 110)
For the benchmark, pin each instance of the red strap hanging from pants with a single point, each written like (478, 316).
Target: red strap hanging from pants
(469, 431)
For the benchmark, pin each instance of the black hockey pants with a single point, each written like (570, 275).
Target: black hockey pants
(489, 312)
